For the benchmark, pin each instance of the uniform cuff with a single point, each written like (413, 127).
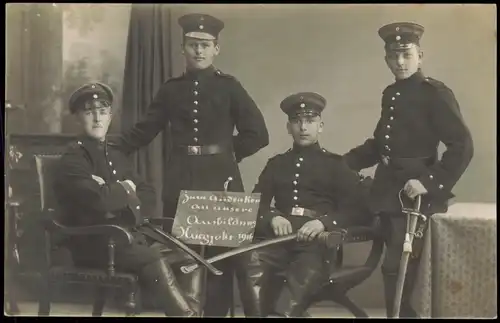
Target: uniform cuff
(329, 222)
(435, 187)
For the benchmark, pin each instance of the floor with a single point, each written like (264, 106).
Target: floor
(61, 309)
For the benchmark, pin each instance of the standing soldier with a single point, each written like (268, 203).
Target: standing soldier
(202, 108)
(418, 113)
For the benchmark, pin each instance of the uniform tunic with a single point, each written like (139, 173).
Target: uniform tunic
(417, 114)
(317, 180)
(311, 178)
(202, 108)
(84, 202)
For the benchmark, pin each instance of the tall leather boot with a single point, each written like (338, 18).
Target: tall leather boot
(259, 286)
(193, 287)
(248, 272)
(201, 288)
(390, 282)
(219, 291)
(160, 280)
(302, 289)
(266, 289)
(271, 286)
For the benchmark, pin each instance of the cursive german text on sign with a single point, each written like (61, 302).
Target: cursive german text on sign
(223, 219)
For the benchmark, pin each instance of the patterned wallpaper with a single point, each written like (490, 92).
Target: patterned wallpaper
(94, 47)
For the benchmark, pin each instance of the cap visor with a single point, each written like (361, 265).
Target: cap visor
(305, 115)
(200, 35)
(401, 46)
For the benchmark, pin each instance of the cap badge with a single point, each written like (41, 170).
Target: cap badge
(95, 96)
(397, 28)
(93, 86)
(201, 27)
(302, 105)
(398, 37)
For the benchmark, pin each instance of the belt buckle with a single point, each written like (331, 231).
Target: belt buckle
(299, 211)
(385, 160)
(194, 150)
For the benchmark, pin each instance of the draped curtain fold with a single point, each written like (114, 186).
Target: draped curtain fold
(148, 64)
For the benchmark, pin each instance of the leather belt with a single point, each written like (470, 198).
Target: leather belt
(300, 211)
(387, 160)
(202, 150)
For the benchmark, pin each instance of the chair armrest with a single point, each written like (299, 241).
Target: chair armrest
(363, 233)
(117, 233)
(358, 234)
(332, 239)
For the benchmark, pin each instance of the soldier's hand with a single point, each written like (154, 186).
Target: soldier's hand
(310, 230)
(281, 226)
(98, 179)
(414, 188)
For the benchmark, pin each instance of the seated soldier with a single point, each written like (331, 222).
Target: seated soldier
(309, 186)
(94, 185)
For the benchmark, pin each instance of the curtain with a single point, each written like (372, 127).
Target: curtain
(34, 66)
(148, 64)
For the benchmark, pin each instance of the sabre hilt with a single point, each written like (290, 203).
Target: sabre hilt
(226, 183)
(415, 211)
(188, 268)
(332, 239)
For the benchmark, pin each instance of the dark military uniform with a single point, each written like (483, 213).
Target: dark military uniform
(202, 108)
(306, 183)
(85, 202)
(417, 114)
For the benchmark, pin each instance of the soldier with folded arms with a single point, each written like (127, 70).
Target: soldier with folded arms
(94, 184)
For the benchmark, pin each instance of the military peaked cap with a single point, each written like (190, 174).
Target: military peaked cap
(201, 26)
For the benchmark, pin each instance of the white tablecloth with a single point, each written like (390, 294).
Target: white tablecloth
(458, 272)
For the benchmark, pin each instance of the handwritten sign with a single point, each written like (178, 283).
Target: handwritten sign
(222, 219)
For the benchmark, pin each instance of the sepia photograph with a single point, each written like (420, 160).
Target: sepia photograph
(250, 160)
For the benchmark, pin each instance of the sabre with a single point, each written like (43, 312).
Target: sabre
(330, 239)
(413, 215)
(186, 249)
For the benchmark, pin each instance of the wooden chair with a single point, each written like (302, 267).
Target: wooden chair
(103, 280)
(11, 258)
(341, 278)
